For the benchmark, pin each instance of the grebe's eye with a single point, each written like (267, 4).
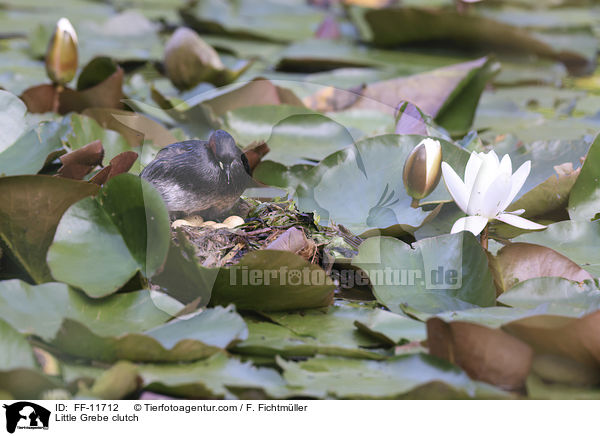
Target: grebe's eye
(221, 164)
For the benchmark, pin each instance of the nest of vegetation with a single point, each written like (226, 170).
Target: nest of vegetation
(271, 225)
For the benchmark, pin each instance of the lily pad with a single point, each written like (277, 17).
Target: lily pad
(41, 200)
(310, 137)
(521, 261)
(272, 280)
(267, 339)
(400, 25)
(319, 54)
(580, 298)
(16, 351)
(394, 378)
(102, 242)
(217, 377)
(49, 304)
(584, 201)
(391, 327)
(577, 240)
(486, 354)
(29, 154)
(266, 20)
(125, 326)
(443, 273)
(361, 188)
(12, 119)
(256, 123)
(330, 332)
(181, 340)
(448, 94)
(572, 338)
(549, 158)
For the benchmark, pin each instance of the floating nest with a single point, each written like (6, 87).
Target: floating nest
(271, 225)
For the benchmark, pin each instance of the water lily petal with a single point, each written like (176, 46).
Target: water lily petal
(506, 165)
(495, 196)
(455, 186)
(518, 180)
(516, 212)
(493, 158)
(473, 224)
(520, 222)
(472, 169)
(488, 171)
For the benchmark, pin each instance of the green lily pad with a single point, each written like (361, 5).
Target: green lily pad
(584, 201)
(27, 384)
(319, 54)
(256, 123)
(579, 298)
(268, 280)
(577, 240)
(125, 36)
(127, 326)
(311, 137)
(266, 20)
(16, 351)
(215, 377)
(116, 383)
(393, 26)
(30, 210)
(361, 187)
(271, 280)
(20, 375)
(448, 272)
(412, 376)
(266, 339)
(537, 389)
(12, 119)
(308, 333)
(392, 327)
(102, 242)
(492, 317)
(29, 153)
(182, 340)
(40, 310)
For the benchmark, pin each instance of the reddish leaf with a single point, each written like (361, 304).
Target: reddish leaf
(255, 152)
(328, 29)
(574, 338)
(119, 164)
(108, 94)
(485, 354)
(79, 163)
(410, 120)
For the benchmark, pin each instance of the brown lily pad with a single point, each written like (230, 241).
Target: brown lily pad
(486, 354)
(521, 261)
(577, 339)
(107, 94)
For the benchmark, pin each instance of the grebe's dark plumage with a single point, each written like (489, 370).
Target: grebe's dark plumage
(203, 177)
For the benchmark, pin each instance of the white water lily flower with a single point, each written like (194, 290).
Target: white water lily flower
(489, 188)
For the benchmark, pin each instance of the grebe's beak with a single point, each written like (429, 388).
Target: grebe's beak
(228, 174)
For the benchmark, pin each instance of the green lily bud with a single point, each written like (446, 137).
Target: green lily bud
(189, 60)
(61, 56)
(422, 169)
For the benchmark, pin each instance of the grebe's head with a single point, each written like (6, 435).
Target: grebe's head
(225, 150)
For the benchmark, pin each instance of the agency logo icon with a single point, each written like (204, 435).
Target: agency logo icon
(26, 415)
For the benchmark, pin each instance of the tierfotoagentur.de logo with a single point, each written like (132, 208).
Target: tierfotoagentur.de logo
(24, 415)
